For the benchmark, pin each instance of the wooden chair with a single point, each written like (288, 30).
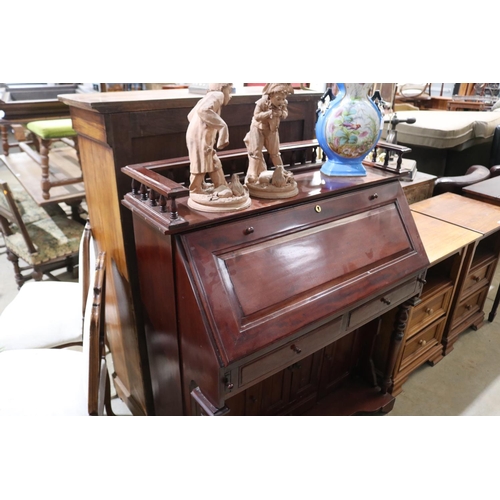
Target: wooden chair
(49, 314)
(45, 242)
(60, 382)
(45, 133)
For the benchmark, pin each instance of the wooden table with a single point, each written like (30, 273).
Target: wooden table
(446, 246)
(468, 105)
(63, 164)
(23, 104)
(480, 262)
(488, 191)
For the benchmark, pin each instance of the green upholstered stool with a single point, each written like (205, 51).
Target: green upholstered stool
(52, 129)
(45, 133)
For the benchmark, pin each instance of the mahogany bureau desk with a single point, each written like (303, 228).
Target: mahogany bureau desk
(274, 309)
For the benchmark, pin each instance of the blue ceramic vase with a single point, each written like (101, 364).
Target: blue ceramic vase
(348, 129)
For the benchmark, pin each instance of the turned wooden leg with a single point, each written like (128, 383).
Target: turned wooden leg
(5, 139)
(493, 311)
(17, 270)
(395, 345)
(37, 274)
(44, 157)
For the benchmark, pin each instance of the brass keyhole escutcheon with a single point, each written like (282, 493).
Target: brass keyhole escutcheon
(318, 209)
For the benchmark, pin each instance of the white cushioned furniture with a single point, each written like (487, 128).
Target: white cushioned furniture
(59, 382)
(46, 314)
(447, 129)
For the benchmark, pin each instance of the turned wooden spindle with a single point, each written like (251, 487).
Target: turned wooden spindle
(153, 196)
(163, 204)
(143, 190)
(135, 186)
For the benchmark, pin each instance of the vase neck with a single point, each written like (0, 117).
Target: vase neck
(356, 90)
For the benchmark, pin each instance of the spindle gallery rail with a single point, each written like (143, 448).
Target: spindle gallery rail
(162, 182)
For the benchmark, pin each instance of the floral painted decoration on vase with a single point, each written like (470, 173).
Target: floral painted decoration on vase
(348, 129)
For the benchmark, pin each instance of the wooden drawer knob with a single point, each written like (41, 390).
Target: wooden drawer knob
(476, 278)
(429, 310)
(249, 230)
(385, 301)
(374, 196)
(422, 342)
(468, 307)
(295, 349)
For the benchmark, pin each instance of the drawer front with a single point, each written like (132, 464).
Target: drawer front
(478, 277)
(469, 306)
(382, 304)
(422, 342)
(290, 352)
(429, 310)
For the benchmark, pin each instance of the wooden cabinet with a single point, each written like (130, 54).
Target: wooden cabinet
(467, 309)
(270, 309)
(462, 241)
(447, 247)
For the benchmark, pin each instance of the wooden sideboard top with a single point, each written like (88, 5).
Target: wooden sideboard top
(465, 212)
(143, 100)
(441, 238)
(488, 190)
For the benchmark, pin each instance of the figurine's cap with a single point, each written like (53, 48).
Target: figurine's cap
(269, 88)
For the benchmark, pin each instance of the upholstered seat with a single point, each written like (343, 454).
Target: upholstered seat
(44, 133)
(45, 243)
(62, 382)
(46, 314)
(54, 238)
(52, 129)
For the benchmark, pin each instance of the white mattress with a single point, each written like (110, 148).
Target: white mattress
(446, 129)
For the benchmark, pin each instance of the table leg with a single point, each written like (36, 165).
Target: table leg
(493, 311)
(5, 139)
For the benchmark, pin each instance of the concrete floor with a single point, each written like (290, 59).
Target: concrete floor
(466, 382)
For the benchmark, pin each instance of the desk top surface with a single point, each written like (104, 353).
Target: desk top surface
(141, 100)
(441, 238)
(488, 189)
(470, 214)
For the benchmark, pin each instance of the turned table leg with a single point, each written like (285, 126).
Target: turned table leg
(5, 139)
(44, 158)
(395, 345)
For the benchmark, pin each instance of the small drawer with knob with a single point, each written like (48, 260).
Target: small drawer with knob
(429, 310)
(470, 305)
(382, 304)
(290, 353)
(478, 277)
(419, 344)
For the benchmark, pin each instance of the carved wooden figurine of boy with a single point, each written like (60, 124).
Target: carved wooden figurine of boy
(270, 109)
(205, 123)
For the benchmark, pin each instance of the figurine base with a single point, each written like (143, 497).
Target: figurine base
(264, 187)
(333, 168)
(206, 203)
